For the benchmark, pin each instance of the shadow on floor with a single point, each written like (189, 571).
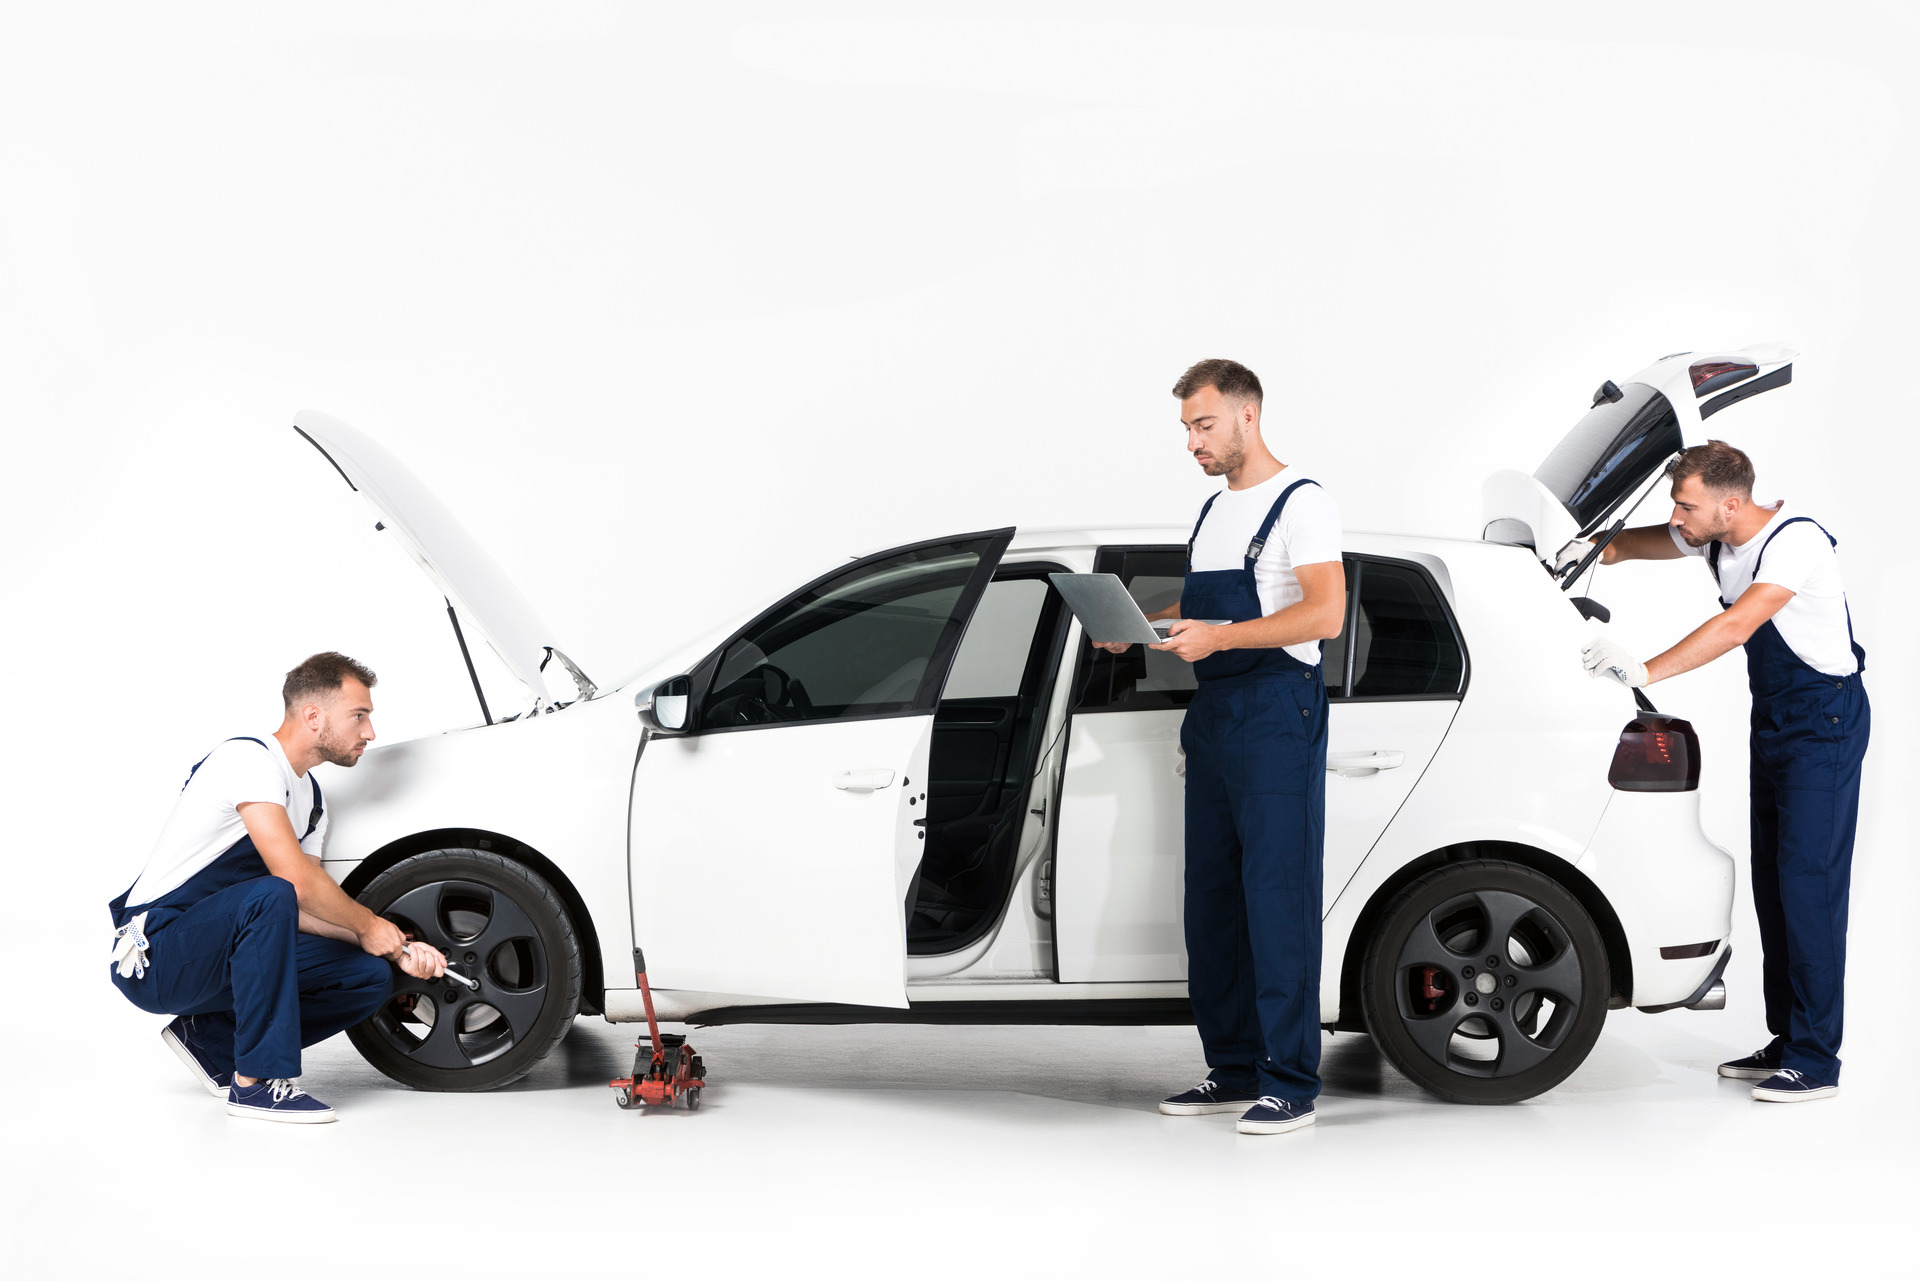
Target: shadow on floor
(1120, 1067)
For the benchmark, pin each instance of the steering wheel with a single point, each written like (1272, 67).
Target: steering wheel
(777, 692)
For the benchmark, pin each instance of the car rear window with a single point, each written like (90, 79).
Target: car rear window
(1613, 448)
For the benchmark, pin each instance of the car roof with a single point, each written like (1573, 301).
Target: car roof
(1029, 538)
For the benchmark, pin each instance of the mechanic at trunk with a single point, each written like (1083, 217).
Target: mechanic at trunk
(1782, 598)
(1265, 556)
(235, 928)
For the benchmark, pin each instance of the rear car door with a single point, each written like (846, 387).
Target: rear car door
(1395, 676)
(773, 845)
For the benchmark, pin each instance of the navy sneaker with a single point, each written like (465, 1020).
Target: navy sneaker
(178, 1037)
(1275, 1116)
(1757, 1066)
(1208, 1096)
(276, 1099)
(1789, 1086)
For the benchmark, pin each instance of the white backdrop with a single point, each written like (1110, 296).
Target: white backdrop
(677, 309)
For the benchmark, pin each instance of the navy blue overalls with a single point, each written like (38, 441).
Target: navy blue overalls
(1808, 738)
(225, 947)
(1256, 743)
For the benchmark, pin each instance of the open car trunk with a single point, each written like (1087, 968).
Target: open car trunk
(1600, 468)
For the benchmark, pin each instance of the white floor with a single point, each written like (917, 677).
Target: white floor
(915, 1151)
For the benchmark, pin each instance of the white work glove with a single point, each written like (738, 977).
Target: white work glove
(1569, 556)
(1602, 657)
(130, 948)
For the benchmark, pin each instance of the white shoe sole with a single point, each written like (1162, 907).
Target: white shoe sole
(1204, 1109)
(1275, 1127)
(185, 1055)
(286, 1118)
(1746, 1074)
(1794, 1096)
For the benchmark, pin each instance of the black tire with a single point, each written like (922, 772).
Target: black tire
(1473, 1029)
(524, 952)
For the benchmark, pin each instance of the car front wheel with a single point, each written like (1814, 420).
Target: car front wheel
(502, 926)
(1485, 982)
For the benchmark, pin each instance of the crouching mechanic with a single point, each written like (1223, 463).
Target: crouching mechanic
(1264, 587)
(1782, 598)
(234, 927)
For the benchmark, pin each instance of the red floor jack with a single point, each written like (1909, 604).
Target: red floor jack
(672, 1071)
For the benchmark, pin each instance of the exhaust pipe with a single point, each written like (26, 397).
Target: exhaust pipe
(1714, 998)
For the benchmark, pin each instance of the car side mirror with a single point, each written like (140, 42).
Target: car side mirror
(665, 708)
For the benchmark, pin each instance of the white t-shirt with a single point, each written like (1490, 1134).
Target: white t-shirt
(1813, 622)
(205, 822)
(1307, 533)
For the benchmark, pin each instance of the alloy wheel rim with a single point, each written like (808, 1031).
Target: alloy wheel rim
(1488, 984)
(485, 936)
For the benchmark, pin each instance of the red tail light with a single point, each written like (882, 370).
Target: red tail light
(1656, 754)
(1712, 375)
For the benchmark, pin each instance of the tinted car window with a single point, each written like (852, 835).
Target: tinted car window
(1141, 678)
(993, 657)
(857, 644)
(1402, 641)
(1399, 631)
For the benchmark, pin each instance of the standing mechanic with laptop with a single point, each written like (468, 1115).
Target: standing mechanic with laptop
(1782, 598)
(1265, 554)
(236, 929)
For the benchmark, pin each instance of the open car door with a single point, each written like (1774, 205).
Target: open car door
(774, 844)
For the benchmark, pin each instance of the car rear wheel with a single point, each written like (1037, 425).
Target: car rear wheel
(1485, 982)
(499, 924)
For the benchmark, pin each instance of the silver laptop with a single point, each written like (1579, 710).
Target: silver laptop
(1108, 613)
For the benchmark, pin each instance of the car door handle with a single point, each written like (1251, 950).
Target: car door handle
(862, 780)
(1362, 764)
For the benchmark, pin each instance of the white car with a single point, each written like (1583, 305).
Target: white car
(910, 791)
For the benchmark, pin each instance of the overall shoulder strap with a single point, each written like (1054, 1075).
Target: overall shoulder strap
(1259, 542)
(243, 738)
(1204, 509)
(313, 819)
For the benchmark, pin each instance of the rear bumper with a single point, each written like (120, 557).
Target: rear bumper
(1670, 886)
(1710, 995)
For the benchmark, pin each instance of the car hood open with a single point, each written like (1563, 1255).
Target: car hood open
(1617, 447)
(462, 571)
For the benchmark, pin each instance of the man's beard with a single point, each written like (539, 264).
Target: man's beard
(1707, 537)
(1227, 459)
(339, 751)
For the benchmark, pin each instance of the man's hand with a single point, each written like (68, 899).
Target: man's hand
(381, 937)
(421, 961)
(1192, 640)
(1113, 647)
(1603, 657)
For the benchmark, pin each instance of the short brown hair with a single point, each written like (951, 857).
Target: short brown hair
(1228, 377)
(1720, 467)
(321, 675)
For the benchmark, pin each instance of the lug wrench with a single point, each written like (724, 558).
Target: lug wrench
(449, 973)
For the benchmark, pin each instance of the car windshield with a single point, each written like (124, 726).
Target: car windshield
(1613, 448)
